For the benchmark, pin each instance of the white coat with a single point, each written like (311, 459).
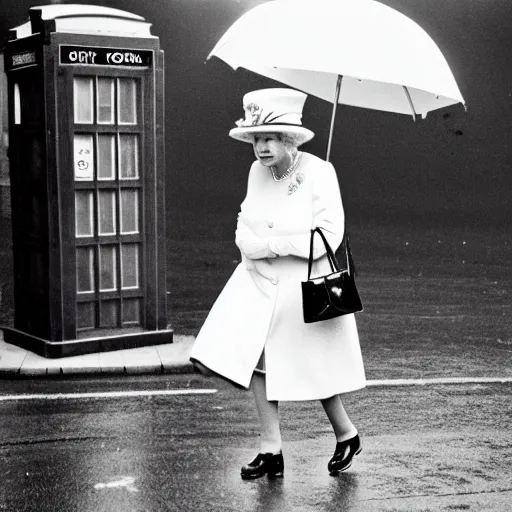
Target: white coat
(261, 305)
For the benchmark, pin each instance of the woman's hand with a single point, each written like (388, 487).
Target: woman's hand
(251, 245)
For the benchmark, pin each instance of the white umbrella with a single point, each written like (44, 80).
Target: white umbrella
(356, 52)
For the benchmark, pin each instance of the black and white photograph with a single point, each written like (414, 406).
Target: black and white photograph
(256, 255)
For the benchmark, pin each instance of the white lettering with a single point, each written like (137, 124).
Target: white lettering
(123, 58)
(117, 58)
(83, 56)
(23, 59)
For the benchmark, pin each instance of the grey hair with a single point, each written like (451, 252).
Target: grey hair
(289, 141)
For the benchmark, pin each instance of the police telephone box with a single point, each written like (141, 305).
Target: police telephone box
(86, 153)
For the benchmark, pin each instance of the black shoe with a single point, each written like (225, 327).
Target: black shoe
(264, 464)
(344, 453)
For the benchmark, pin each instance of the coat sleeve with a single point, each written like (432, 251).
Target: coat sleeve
(328, 214)
(251, 246)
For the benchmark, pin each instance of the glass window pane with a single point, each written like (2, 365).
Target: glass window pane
(83, 213)
(83, 157)
(85, 315)
(129, 156)
(127, 103)
(129, 266)
(17, 104)
(131, 311)
(106, 156)
(105, 100)
(108, 268)
(108, 313)
(106, 212)
(84, 269)
(129, 211)
(82, 91)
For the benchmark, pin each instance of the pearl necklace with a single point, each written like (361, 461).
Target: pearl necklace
(288, 171)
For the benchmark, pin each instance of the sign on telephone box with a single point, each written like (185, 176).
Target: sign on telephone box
(86, 149)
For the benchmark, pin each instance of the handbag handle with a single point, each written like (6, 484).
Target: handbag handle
(333, 262)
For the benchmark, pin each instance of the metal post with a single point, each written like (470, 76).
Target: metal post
(336, 99)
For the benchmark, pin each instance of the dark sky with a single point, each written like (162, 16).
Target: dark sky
(452, 167)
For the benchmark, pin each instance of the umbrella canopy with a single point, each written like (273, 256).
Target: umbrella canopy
(387, 61)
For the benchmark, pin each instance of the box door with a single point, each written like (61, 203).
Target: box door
(108, 147)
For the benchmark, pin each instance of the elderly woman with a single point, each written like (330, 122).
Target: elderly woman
(255, 335)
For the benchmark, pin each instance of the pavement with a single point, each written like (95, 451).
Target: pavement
(171, 358)
(431, 448)
(168, 358)
(431, 445)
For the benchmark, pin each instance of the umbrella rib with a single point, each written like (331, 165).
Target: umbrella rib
(414, 114)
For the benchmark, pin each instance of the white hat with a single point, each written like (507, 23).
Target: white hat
(272, 111)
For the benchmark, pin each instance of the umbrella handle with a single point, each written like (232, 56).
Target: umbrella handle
(331, 131)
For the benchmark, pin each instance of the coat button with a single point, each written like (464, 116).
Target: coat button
(270, 224)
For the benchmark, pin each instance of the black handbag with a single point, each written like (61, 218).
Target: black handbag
(332, 295)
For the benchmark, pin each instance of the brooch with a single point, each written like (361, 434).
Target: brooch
(295, 184)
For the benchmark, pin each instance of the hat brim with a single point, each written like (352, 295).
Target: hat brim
(298, 133)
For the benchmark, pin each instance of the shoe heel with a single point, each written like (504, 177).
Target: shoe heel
(276, 470)
(276, 474)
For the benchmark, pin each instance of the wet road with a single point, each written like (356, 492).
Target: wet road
(426, 448)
